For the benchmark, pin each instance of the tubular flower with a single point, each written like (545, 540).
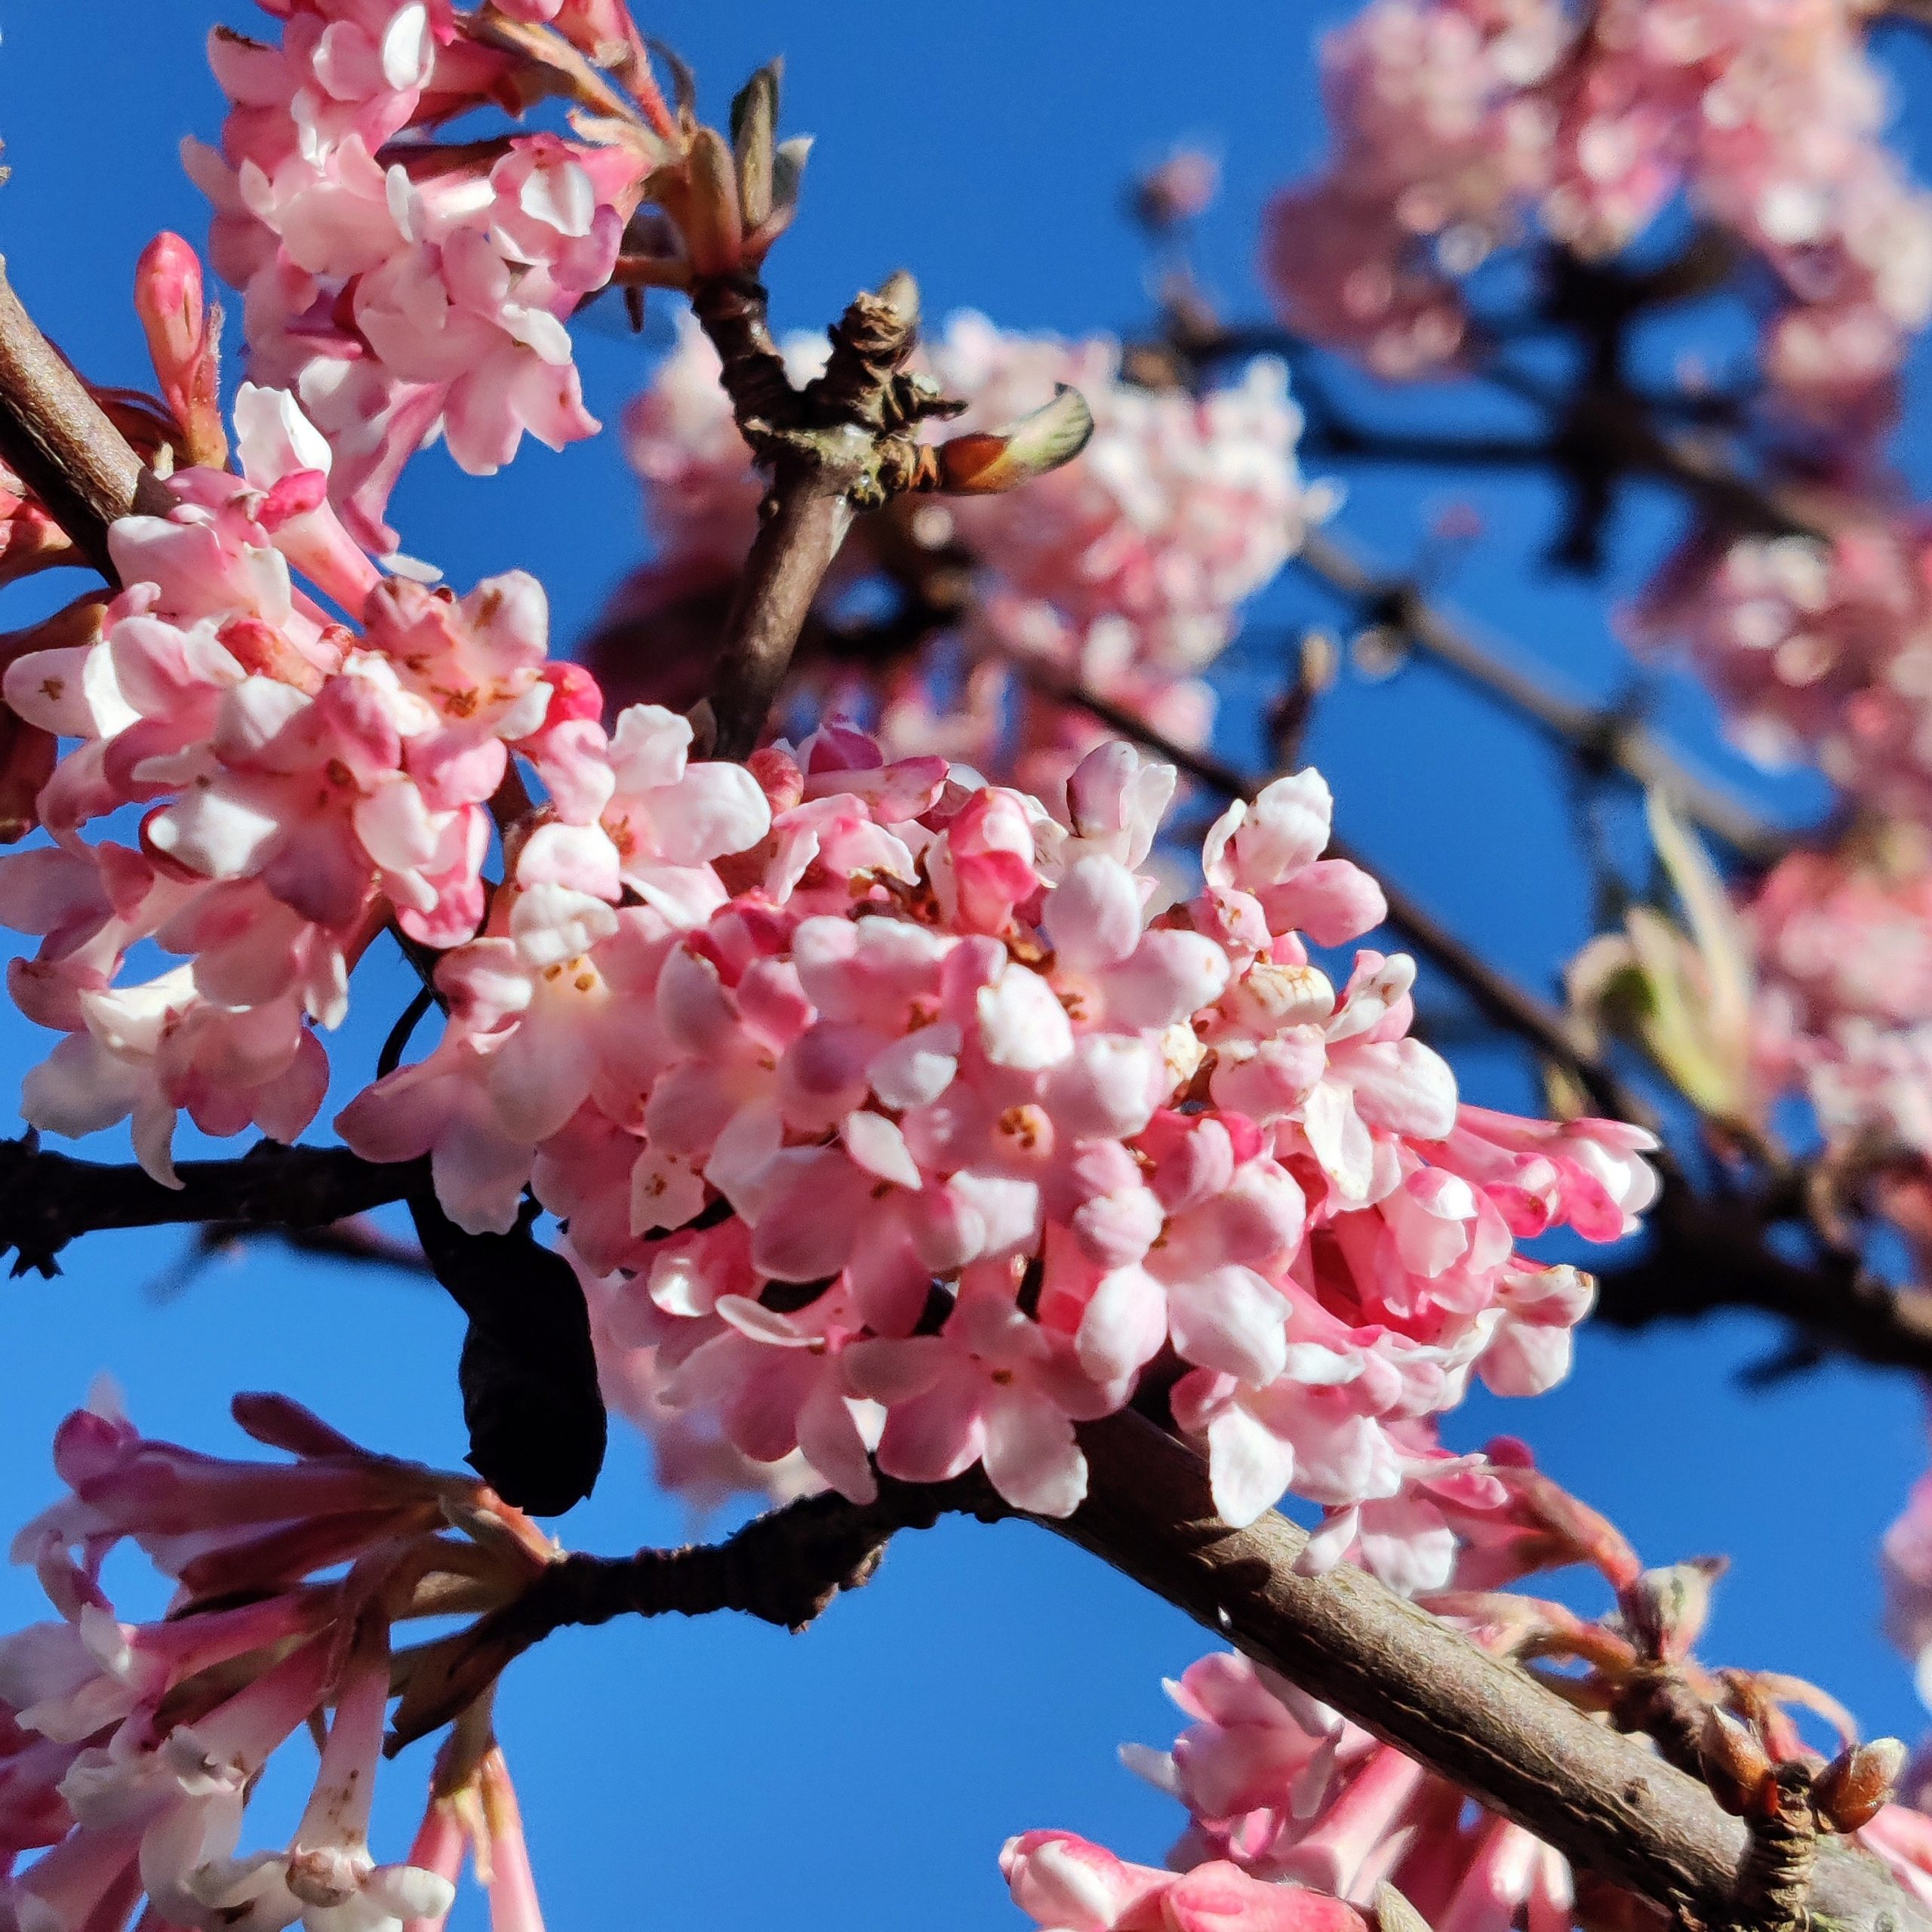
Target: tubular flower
(1062, 1881)
(131, 1750)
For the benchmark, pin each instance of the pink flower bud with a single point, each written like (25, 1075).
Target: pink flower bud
(184, 339)
(1667, 1610)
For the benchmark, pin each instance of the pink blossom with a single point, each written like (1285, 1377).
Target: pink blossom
(930, 1110)
(1462, 128)
(153, 1737)
(481, 1811)
(1842, 1003)
(299, 784)
(1814, 647)
(1060, 1880)
(397, 305)
(1286, 1791)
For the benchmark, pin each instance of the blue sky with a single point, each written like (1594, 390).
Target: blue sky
(865, 1774)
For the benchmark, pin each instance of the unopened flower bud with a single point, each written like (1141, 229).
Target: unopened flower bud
(754, 139)
(1736, 1766)
(1182, 187)
(713, 225)
(1858, 1784)
(1183, 1053)
(1665, 1610)
(1268, 998)
(184, 339)
(900, 292)
(993, 460)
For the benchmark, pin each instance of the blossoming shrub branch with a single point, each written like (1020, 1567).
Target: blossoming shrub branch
(929, 1132)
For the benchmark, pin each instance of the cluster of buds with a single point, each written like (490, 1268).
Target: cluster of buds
(720, 202)
(129, 1752)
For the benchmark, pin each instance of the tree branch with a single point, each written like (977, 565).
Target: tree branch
(1706, 1255)
(1604, 1799)
(805, 521)
(47, 1199)
(1593, 735)
(783, 1568)
(1621, 440)
(60, 444)
(821, 446)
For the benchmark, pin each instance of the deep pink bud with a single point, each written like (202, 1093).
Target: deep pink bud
(184, 337)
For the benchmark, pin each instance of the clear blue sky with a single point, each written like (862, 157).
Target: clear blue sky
(865, 1774)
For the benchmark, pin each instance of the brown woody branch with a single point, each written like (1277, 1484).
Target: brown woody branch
(47, 1199)
(822, 446)
(1604, 1799)
(60, 442)
(783, 1568)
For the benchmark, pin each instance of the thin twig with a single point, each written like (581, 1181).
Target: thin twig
(1622, 440)
(1594, 735)
(806, 517)
(783, 1568)
(1707, 1255)
(47, 1199)
(822, 447)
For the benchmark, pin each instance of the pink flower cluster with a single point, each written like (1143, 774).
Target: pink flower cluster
(906, 1125)
(1125, 569)
(1822, 649)
(1285, 1791)
(1066, 1884)
(1460, 124)
(128, 1752)
(401, 290)
(1843, 1013)
(271, 786)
